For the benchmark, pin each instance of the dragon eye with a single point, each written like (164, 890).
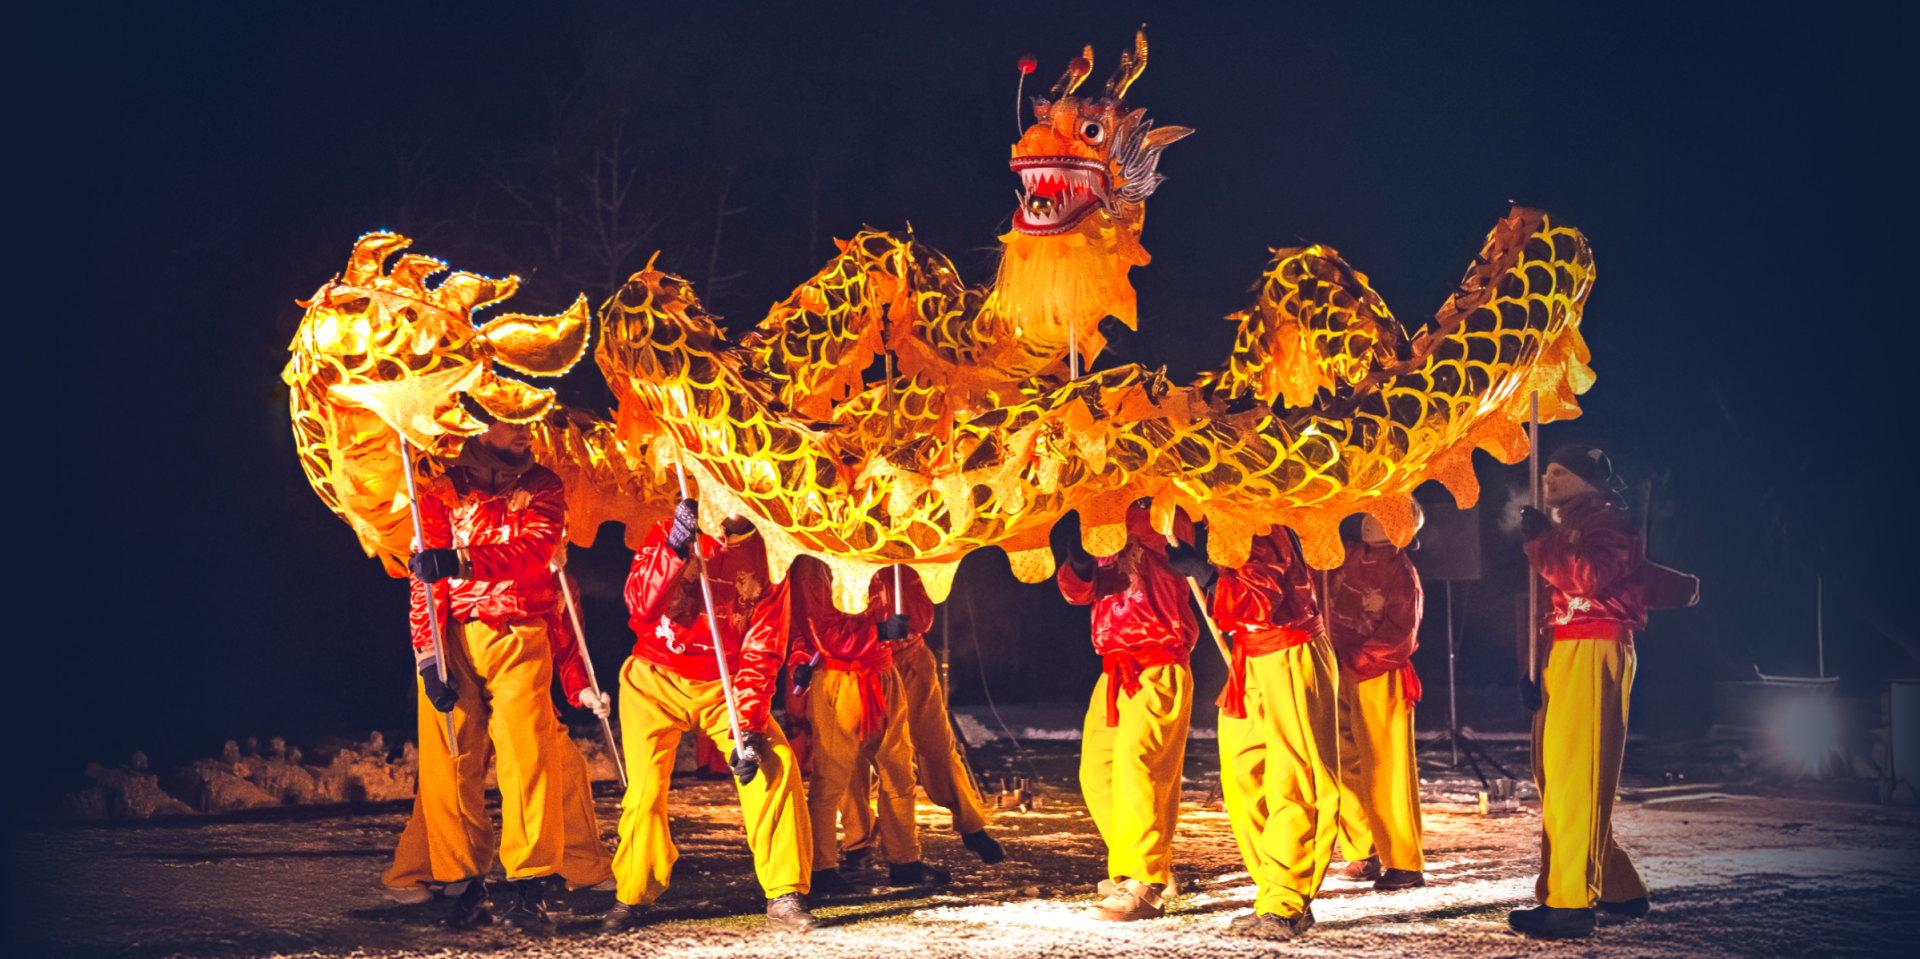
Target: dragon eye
(1092, 132)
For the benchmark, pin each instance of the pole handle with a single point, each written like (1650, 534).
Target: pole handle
(713, 624)
(1533, 578)
(593, 681)
(433, 613)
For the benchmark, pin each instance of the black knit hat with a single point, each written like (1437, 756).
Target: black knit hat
(1587, 463)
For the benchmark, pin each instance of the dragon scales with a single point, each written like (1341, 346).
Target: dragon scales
(1323, 409)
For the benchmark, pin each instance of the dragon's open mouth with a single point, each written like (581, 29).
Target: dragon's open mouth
(1059, 192)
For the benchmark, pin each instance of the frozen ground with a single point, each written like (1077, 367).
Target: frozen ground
(1737, 876)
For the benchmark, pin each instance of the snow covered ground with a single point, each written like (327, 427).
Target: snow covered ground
(1741, 876)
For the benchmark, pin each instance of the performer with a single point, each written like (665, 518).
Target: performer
(1373, 620)
(1134, 740)
(671, 684)
(1590, 556)
(492, 527)
(585, 863)
(857, 718)
(936, 760)
(1279, 739)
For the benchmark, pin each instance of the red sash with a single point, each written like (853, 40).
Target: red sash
(1233, 699)
(1123, 666)
(1595, 629)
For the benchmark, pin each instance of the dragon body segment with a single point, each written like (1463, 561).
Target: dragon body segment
(979, 436)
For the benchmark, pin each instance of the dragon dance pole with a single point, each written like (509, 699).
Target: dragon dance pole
(713, 627)
(1533, 578)
(1200, 598)
(433, 614)
(593, 682)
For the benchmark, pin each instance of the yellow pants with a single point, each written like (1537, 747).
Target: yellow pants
(936, 762)
(1579, 738)
(841, 761)
(505, 708)
(1278, 774)
(658, 705)
(1379, 780)
(584, 863)
(1130, 774)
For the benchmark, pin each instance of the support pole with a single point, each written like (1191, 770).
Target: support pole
(1533, 578)
(1453, 691)
(1820, 621)
(593, 681)
(713, 627)
(433, 614)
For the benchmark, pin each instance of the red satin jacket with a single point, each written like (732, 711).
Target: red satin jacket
(815, 625)
(668, 616)
(1373, 612)
(1139, 602)
(1273, 591)
(567, 664)
(509, 528)
(919, 606)
(1593, 561)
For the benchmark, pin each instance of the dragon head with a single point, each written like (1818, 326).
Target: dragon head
(1086, 167)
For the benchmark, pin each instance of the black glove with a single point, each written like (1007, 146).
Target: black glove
(1530, 695)
(803, 676)
(1533, 524)
(745, 758)
(434, 565)
(895, 627)
(441, 695)
(1191, 561)
(686, 526)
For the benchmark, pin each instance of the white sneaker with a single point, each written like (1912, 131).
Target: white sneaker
(407, 895)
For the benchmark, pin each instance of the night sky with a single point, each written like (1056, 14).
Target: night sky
(193, 173)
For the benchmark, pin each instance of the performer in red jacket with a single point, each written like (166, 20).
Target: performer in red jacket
(671, 684)
(1373, 619)
(857, 718)
(1278, 731)
(493, 525)
(1590, 555)
(1134, 740)
(936, 761)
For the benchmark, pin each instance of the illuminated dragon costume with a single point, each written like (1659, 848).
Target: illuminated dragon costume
(978, 436)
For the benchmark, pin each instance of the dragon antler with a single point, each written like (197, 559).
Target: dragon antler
(1132, 64)
(1078, 69)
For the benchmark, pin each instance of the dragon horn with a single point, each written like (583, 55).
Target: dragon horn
(1078, 70)
(1131, 66)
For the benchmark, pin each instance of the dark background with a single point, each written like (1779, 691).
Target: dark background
(189, 173)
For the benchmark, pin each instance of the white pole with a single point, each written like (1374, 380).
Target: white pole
(1820, 621)
(1533, 578)
(593, 682)
(433, 614)
(1073, 352)
(713, 626)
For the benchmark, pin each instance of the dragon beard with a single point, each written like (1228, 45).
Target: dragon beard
(1050, 284)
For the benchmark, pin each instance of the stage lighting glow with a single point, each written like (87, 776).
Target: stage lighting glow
(1806, 732)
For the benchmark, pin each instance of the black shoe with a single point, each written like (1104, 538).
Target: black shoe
(1614, 913)
(1546, 922)
(982, 845)
(470, 907)
(622, 917)
(529, 909)
(829, 882)
(1266, 925)
(916, 874)
(789, 912)
(1393, 880)
(852, 859)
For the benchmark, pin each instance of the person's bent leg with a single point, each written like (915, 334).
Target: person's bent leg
(1618, 880)
(1356, 833)
(653, 715)
(1150, 747)
(935, 756)
(584, 861)
(1298, 719)
(773, 807)
(449, 837)
(1097, 741)
(834, 708)
(859, 839)
(893, 767)
(1389, 779)
(1242, 767)
(518, 667)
